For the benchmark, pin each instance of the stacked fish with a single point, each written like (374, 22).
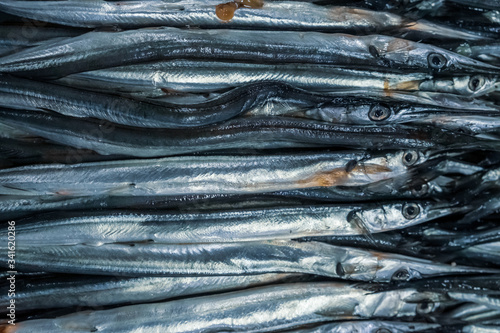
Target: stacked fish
(250, 166)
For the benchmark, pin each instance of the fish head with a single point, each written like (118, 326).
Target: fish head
(476, 85)
(400, 215)
(464, 85)
(403, 54)
(459, 63)
(398, 268)
(406, 159)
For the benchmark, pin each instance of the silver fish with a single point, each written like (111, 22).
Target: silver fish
(51, 291)
(369, 326)
(279, 308)
(21, 93)
(97, 50)
(268, 15)
(241, 133)
(202, 76)
(225, 226)
(210, 259)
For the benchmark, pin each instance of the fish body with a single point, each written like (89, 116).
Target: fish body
(98, 50)
(53, 291)
(217, 174)
(241, 133)
(278, 307)
(224, 226)
(271, 15)
(22, 93)
(211, 259)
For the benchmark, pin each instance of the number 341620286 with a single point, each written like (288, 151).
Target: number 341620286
(11, 237)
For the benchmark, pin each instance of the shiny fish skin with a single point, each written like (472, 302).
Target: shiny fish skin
(277, 306)
(97, 50)
(139, 259)
(21, 93)
(224, 226)
(217, 174)
(251, 133)
(15, 207)
(54, 291)
(275, 15)
(202, 76)
(370, 326)
(199, 76)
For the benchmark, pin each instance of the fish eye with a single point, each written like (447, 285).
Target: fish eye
(401, 275)
(410, 210)
(436, 61)
(410, 158)
(379, 113)
(425, 307)
(476, 82)
(420, 189)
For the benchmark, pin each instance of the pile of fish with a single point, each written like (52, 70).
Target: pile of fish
(250, 166)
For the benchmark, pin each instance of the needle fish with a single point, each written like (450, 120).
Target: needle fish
(78, 103)
(53, 291)
(210, 259)
(256, 14)
(279, 307)
(202, 76)
(216, 174)
(241, 133)
(15, 207)
(225, 226)
(98, 50)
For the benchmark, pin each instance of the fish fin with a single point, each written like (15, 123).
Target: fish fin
(354, 219)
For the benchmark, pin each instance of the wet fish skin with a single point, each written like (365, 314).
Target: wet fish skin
(22, 93)
(241, 133)
(274, 15)
(369, 326)
(216, 174)
(276, 304)
(224, 226)
(208, 76)
(139, 259)
(53, 291)
(54, 60)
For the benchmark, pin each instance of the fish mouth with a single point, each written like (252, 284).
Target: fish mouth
(473, 66)
(444, 209)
